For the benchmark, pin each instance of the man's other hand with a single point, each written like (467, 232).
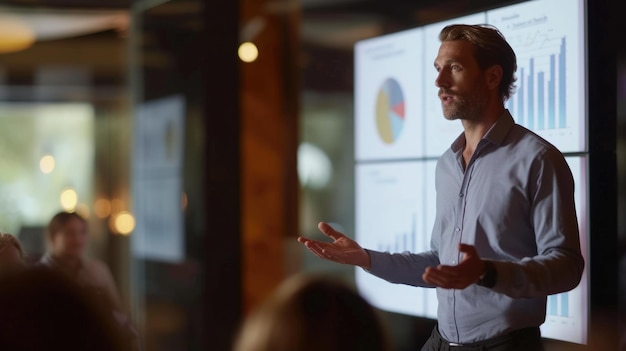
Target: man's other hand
(467, 272)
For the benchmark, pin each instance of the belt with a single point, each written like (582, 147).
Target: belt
(525, 333)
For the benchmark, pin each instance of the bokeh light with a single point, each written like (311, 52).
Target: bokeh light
(15, 34)
(47, 164)
(123, 223)
(69, 199)
(102, 208)
(248, 52)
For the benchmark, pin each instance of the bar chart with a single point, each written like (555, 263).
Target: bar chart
(558, 305)
(550, 93)
(402, 242)
(539, 103)
(392, 216)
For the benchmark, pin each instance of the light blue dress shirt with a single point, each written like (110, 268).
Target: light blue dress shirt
(515, 203)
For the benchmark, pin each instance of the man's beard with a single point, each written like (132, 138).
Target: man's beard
(470, 106)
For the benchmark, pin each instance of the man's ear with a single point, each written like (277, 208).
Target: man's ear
(493, 76)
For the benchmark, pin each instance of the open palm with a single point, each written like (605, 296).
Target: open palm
(342, 249)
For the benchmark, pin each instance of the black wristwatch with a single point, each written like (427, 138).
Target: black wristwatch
(489, 278)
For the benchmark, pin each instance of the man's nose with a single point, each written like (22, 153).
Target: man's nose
(442, 80)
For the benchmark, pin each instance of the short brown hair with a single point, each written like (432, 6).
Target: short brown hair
(8, 240)
(60, 220)
(490, 48)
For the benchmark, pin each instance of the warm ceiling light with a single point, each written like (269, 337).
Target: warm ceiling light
(69, 199)
(248, 52)
(15, 35)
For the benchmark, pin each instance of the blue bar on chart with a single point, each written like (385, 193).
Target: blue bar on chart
(531, 95)
(552, 94)
(540, 98)
(520, 98)
(541, 93)
(562, 121)
(564, 304)
(553, 305)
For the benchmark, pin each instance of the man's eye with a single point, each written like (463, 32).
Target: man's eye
(456, 67)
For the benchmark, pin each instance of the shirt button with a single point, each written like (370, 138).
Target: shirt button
(461, 195)
(454, 262)
(457, 229)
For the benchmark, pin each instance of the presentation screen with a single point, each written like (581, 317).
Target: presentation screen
(400, 132)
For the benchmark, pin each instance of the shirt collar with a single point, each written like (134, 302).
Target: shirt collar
(495, 134)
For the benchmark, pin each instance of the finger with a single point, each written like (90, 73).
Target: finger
(327, 251)
(333, 257)
(451, 271)
(468, 249)
(329, 231)
(432, 278)
(317, 251)
(445, 283)
(451, 276)
(305, 241)
(443, 273)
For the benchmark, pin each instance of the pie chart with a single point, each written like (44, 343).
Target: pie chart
(390, 111)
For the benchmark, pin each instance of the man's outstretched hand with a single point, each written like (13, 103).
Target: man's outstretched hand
(342, 249)
(460, 276)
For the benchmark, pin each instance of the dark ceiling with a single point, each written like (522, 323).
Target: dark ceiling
(329, 29)
(69, 4)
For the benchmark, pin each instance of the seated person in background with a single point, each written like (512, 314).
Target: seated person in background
(45, 310)
(313, 314)
(11, 254)
(67, 240)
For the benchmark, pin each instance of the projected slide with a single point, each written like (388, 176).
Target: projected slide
(389, 97)
(439, 132)
(566, 314)
(548, 40)
(392, 215)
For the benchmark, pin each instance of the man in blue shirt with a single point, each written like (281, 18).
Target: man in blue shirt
(506, 234)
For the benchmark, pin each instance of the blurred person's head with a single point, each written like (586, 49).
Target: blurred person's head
(45, 310)
(67, 234)
(313, 313)
(11, 254)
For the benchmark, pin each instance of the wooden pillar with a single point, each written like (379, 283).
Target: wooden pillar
(269, 111)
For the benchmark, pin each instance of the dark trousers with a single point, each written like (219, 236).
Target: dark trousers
(528, 339)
